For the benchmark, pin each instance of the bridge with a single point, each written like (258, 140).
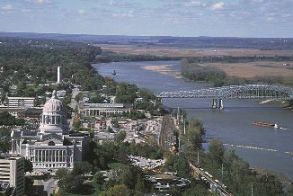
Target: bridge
(247, 91)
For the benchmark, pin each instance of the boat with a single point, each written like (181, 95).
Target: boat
(114, 73)
(266, 124)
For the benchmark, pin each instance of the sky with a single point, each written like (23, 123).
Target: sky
(188, 18)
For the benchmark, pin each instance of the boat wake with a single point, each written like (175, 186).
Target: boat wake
(283, 128)
(256, 148)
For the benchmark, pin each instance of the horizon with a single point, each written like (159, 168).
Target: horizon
(79, 34)
(186, 18)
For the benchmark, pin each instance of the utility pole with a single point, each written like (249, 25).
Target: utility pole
(178, 115)
(222, 172)
(184, 127)
(179, 144)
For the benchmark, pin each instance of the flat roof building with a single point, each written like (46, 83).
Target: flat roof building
(97, 109)
(12, 174)
(21, 102)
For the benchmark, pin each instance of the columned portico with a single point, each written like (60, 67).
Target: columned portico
(53, 158)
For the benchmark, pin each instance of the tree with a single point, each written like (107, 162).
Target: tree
(117, 190)
(119, 137)
(5, 140)
(76, 122)
(216, 151)
(178, 163)
(81, 168)
(28, 166)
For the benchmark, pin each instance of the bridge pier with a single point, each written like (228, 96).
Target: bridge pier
(218, 104)
(214, 104)
(221, 104)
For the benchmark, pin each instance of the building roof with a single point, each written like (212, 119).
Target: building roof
(103, 105)
(20, 98)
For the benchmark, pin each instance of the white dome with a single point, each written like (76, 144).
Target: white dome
(53, 118)
(53, 106)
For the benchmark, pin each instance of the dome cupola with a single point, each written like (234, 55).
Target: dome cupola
(53, 106)
(53, 119)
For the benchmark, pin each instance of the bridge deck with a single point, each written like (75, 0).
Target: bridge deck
(248, 91)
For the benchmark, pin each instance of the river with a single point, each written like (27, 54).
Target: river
(267, 148)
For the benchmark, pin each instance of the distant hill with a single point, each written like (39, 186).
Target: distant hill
(186, 42)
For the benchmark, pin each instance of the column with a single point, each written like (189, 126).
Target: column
(52, 160)
(214, 104)
(221, 104)
(62, 156)
(45, 152)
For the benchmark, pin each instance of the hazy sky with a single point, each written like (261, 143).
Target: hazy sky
(241, 18)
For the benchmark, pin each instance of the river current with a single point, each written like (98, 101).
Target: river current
(262, 147)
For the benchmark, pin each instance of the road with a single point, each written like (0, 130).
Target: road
(167, 137)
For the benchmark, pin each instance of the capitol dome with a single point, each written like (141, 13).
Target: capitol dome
(53, 106)
(53, 119)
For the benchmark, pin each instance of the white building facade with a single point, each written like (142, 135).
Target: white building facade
(97, 109)
(12, 174)
(51, 146)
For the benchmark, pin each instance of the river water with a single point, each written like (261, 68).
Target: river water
(262, 147)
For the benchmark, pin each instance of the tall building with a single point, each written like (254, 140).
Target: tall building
(50, 147)
(12, 174)
(58, 74)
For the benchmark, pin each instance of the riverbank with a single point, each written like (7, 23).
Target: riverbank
(163, 69)
(231, 125)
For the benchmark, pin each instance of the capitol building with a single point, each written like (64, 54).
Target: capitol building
(51, 146)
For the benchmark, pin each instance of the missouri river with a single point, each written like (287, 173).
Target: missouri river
(262, 147)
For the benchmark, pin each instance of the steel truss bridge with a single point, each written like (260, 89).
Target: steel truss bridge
(247, 91)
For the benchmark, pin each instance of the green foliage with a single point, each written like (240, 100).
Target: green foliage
(115, 123)
(81, 168)
(237, 175)
(116, 57)
(100, 156)
(7, 119)
(74, 182)
(216, 151)
(28, 185)
(193, 137)
(126, 93)
(28, 166)
(76, 123)
(179, 164)
(134, 115)
(197, 190)
(119, 137)
(5, 140)
(36, 63)
(117, 190)
(208, 74)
